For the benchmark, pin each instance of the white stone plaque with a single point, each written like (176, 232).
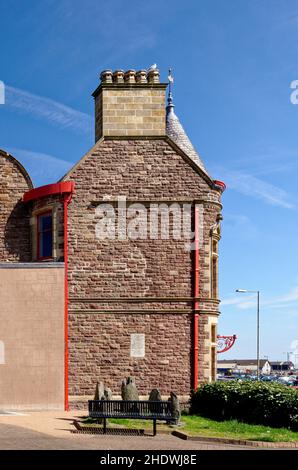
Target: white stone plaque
(137, 345)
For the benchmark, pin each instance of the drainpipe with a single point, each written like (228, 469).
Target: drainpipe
(66, 200)
(196, 302)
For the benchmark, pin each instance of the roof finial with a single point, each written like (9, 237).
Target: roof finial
(170, 106)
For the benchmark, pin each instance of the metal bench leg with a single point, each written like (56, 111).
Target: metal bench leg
(154, 427)
(105, 425)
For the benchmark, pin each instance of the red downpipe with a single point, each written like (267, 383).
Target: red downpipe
(196, 302)
(66, 201)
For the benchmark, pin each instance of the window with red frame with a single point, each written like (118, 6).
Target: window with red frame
(45, 235)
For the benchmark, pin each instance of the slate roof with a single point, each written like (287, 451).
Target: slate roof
(176, 132)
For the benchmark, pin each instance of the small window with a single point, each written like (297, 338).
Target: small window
(213, 333)
(45, 235)
(213, 363)
(214, 269)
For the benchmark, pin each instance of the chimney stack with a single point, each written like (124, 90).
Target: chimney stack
(130, 104)
(141, 76)
(118, 76)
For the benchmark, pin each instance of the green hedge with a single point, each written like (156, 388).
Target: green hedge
(265, 403)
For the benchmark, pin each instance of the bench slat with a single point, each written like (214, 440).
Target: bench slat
(160, 410)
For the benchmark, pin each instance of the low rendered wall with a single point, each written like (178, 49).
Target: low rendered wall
(32, 336)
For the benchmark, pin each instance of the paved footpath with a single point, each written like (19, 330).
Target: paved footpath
(52, 430)
(16, 437)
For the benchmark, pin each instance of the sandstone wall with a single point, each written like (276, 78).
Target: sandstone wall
(14, 215)
(32, 336)
(128, 111)
(121, 288)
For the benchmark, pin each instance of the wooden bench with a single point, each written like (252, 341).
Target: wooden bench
(124, 409)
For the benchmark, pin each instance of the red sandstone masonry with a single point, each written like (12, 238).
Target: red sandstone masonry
(100, 349)
(99, 342)
(14, 216)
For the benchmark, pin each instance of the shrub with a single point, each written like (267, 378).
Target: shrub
(265, 403)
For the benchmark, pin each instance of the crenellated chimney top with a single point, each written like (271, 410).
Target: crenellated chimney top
(150, 76)
(141, 76)
(130, 76)
(130, 103)
(106, 76)
(118, 76)
(153, 76)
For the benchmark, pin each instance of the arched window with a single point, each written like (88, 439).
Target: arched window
(45, 235)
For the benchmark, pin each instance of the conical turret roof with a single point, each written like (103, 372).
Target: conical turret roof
(176, 132)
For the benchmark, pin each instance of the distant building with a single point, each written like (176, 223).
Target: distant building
(280, 366)
(244, 366)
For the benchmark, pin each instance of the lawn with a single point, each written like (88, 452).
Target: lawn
(199, 426)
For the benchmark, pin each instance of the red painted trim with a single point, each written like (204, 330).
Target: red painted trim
(38, 257)
(220, 184)
(49, 190)
(229, 342)
(64, 188)
(66, 201)
(196, 303)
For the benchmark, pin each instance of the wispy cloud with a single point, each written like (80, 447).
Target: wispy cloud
(268, 160)
(69, 40)
(252, 186)
(288, 300)
(54, 112)
(231, 301)
(239, 302)
(291, 296)
(42, 168)
(239, 225)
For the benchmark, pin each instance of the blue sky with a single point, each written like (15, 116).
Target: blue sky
(233, 63)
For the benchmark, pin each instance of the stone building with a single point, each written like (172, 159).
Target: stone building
(112, 271)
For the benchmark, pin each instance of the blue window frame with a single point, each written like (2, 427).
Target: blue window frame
(45, 236)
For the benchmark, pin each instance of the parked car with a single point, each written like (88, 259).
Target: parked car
(284, 380)
(293, 383)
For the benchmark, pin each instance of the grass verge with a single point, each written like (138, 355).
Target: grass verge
(199, 426)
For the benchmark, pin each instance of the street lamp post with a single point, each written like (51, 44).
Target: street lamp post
(288, 355)
(258, 324)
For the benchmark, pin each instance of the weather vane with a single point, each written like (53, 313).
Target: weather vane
(171, 80)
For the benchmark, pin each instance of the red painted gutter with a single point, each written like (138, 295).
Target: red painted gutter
(219, 185)
(49, 190)
(196, 303)
(65, 189)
